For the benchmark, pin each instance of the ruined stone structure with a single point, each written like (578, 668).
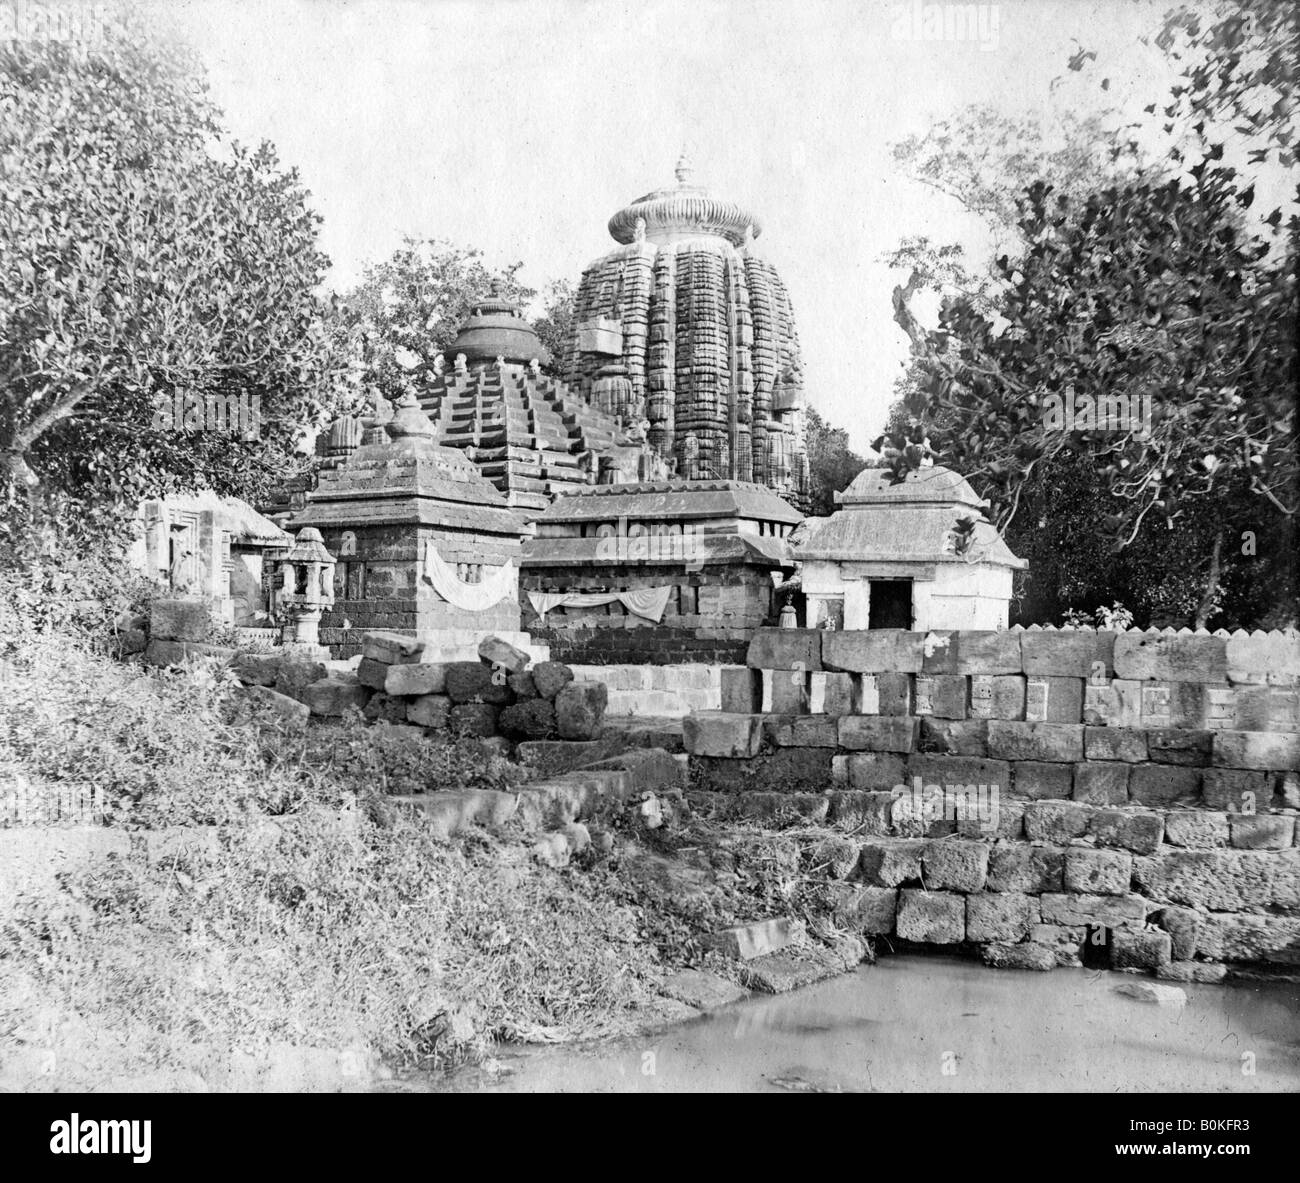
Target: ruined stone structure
(893, 557)
(423, 541)
(701, 330)
(1048, 797)
(660, 572)
(526, 432)
(206, 545)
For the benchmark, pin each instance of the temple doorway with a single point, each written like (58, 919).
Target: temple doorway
(890, 604)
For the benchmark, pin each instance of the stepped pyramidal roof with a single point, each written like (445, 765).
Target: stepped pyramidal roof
(526, 432)
(402, 475)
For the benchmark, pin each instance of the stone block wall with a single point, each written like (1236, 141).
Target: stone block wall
(712, 612)
(658, 691)
(377, 584)
(1045, 795)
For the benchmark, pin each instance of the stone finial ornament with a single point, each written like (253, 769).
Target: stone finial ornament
(461, 364)
(638, 230)
(684, 170)
(438, 363)
(535, 368)
(409, 420)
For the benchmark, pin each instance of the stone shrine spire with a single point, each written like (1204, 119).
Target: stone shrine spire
(702, 328)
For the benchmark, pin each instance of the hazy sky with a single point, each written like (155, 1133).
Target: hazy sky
(520, 126)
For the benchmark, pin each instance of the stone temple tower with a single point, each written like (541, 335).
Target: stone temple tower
(686, 312)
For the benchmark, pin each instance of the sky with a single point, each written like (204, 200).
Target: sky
(520, 126)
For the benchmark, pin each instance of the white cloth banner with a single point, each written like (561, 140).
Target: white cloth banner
(648, 602)
(472, 597)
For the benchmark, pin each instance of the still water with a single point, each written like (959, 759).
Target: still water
(939, 1024)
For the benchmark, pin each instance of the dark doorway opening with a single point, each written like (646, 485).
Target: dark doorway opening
(891, 604)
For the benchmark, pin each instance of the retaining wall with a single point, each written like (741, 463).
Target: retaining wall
(1034, 792)
(658, 691)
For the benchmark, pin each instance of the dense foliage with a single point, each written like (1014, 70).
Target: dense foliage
(1122, 386)
(832, 464)
(143, 255)
(409, 307)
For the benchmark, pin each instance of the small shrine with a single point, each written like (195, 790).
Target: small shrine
(423, 542)
(658, 572)
(212, 546)
(918, 554)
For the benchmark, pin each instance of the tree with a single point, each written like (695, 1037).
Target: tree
(555, 321)
(1163, 290)
(143, 255)
(1239, 69)
(984, 160)
(832, 464)
(409, 308)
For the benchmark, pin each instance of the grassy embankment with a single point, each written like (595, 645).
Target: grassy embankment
(321, 916)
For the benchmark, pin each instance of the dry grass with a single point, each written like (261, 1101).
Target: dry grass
(313, 920)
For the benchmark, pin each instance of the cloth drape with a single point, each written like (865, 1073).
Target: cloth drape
(498, 583)
(648, 602)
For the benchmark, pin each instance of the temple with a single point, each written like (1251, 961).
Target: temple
(424, 542)
(912, 554)
(659, 572)
(527, 433)
(700, 328)
(655, 488)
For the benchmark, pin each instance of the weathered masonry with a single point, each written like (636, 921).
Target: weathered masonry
(702, 327)
(423, 542)
(656, 573)
(889, 557)
(1051, 797)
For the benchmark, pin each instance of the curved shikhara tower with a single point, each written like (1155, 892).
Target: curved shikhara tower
(685, 327)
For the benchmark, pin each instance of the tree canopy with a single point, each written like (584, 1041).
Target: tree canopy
(144, 255)
(832, 464)
(408, 308)
(1129, 366)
